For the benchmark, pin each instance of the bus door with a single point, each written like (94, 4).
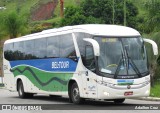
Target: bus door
(90, 76)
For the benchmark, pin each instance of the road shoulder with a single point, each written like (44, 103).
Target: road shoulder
(148, 98)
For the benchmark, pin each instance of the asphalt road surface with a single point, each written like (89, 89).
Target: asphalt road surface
(62, 105)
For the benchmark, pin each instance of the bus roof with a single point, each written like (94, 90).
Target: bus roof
(109, 30)
(94, 29)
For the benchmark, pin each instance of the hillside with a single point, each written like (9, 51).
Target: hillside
(40, 13)
(27, 7)
(36, 10)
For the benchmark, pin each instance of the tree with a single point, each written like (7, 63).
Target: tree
(104, 9)
(153, 15)
(151, 25)
(158, 60)
(61, 7)
(74, 16)
(14, 24)
(100, 11)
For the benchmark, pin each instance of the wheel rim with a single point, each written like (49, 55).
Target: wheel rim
(75, 94)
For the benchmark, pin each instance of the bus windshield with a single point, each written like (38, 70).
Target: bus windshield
(122, 56)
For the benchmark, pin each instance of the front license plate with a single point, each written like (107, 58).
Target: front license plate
(128, 93)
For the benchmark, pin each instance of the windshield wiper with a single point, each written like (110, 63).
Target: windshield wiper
(126, 60)
(132, 64)
(135, 68)
(119, 65)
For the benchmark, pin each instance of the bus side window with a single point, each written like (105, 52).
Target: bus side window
(53, 47)
(67, 48)
(29, 50)
(40, 48)
(8, 51)
(89, 58)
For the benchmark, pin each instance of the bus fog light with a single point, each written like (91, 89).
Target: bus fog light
(106, 93)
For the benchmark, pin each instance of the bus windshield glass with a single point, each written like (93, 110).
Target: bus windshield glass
(122, 56)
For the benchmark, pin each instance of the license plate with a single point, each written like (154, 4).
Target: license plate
(128, 93)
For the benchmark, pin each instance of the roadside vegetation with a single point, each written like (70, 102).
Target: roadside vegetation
(143, 15)
(155, 90)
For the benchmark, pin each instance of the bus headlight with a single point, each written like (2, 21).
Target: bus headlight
(147, 78)
(106, 93)
(107, 84)
(147, 92)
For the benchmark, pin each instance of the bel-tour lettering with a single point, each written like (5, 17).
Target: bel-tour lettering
(60, 64)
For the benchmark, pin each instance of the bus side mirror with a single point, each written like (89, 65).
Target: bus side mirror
(154, 45)
(96, 48)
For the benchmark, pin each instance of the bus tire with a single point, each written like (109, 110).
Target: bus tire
(119, 101)
(21, 92)
(75, 95)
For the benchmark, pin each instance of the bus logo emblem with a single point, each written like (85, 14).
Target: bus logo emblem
(128, 87)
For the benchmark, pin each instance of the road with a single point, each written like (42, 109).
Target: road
(90, 106)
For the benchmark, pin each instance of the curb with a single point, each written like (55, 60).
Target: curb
(148, 98)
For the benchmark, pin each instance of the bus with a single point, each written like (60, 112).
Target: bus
(90, 61)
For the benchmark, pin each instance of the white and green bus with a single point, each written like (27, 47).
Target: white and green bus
(90, 61)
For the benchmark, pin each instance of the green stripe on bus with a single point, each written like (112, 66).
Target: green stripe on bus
(46, 81)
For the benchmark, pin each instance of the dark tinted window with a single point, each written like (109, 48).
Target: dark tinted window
(18, 53)
(29, 49)
(40, 48)
(53, 47)
(8, 51)
(67, 49)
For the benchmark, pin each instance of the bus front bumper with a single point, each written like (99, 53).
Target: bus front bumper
(129, 91)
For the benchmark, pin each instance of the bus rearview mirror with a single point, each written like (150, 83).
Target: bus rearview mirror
(154, 45)
(95, 45)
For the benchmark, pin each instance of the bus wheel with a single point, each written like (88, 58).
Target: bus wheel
(75, 95)
(119, 101)
(21, 92)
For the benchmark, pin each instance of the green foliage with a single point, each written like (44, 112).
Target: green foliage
(158, 60)
(154, 61)
(2, 33)
(74, 16)
(99, 11)
(152, 21)
(103, 9)
(36, 28)
(156, 37)
(14, 24)
(93, 20)
(155, 91)
(40, 27)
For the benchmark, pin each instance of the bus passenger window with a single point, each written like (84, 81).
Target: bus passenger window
(8, 51)
(40, 48)
(53, 47)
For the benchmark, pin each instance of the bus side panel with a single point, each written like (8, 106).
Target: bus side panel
(44, 74)
(9, 80)
(31, 88)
